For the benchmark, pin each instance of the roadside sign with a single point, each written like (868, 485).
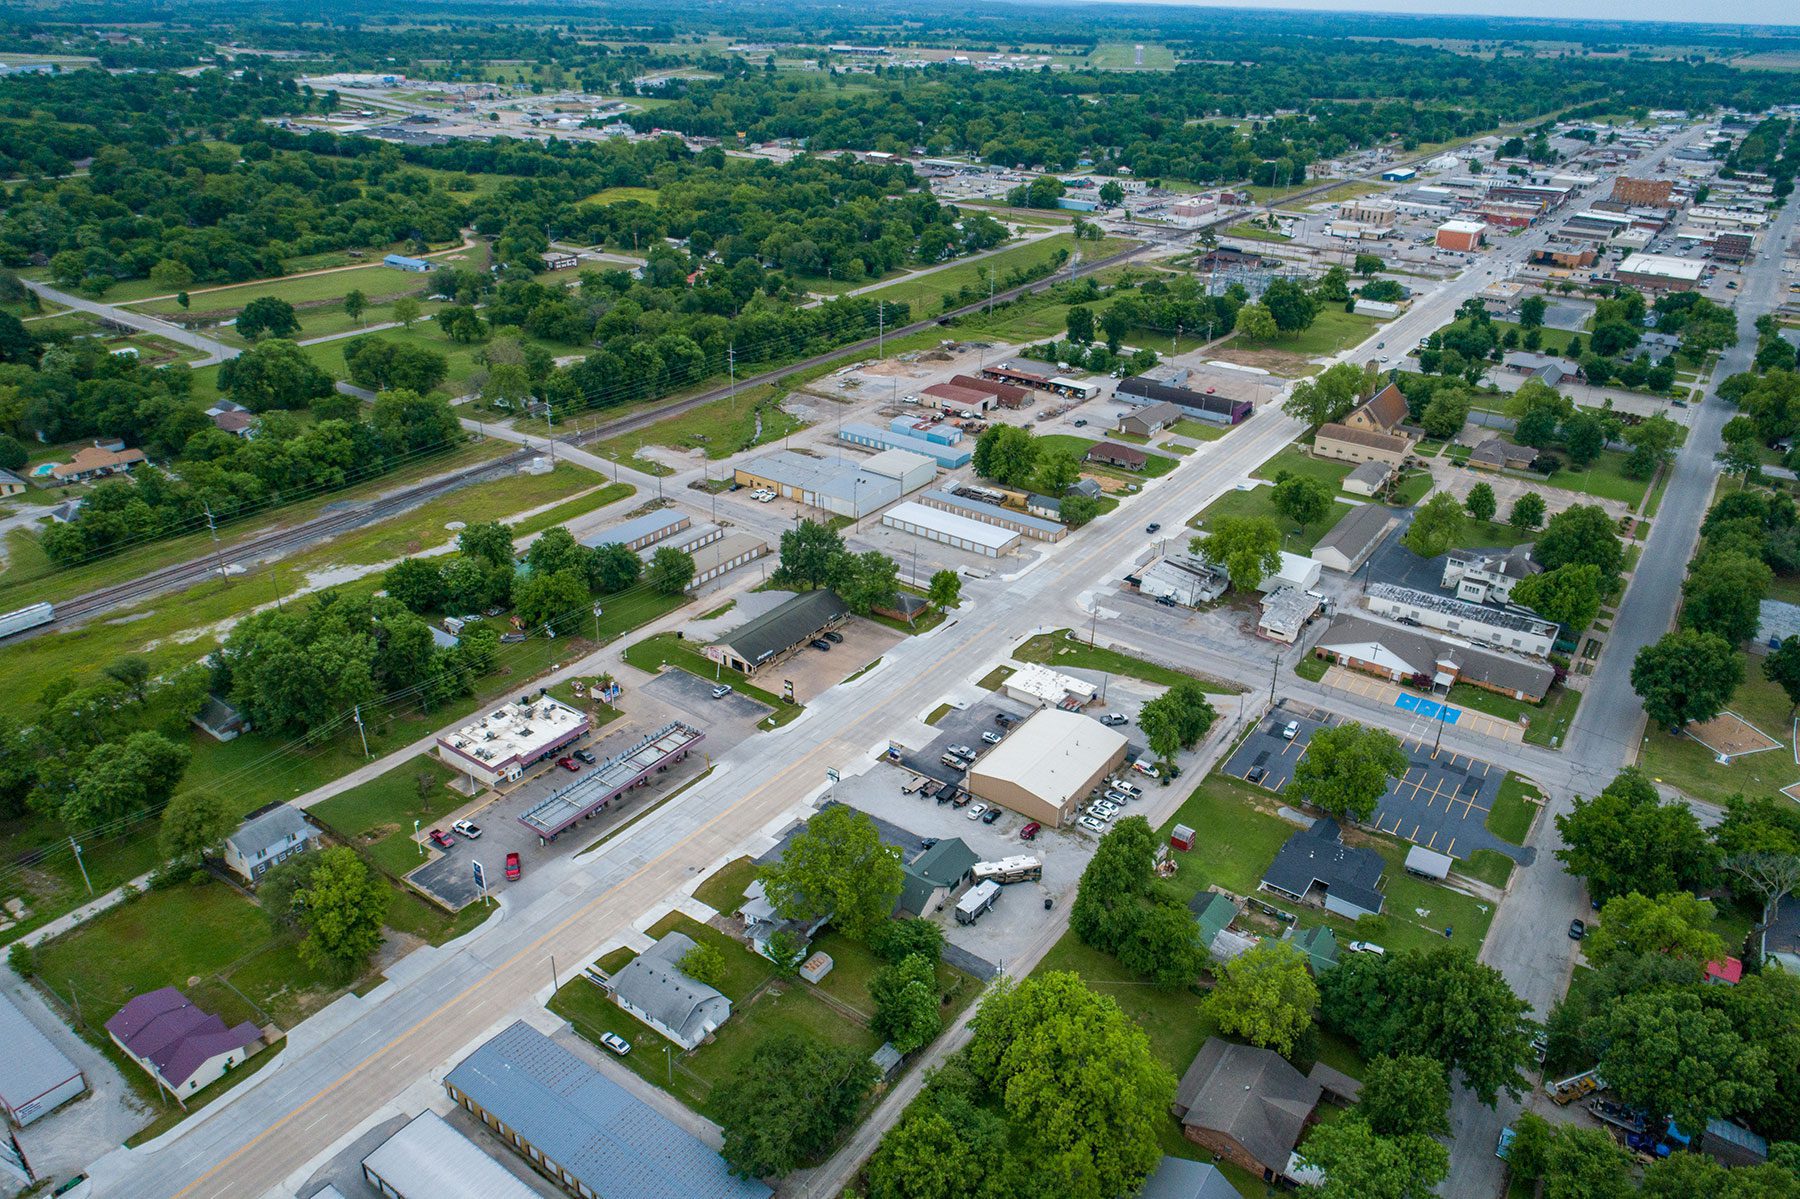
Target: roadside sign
(831, 773)
(480, 878)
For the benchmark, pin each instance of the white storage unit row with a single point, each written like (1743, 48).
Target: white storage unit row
(947, 528)
(35, 1076)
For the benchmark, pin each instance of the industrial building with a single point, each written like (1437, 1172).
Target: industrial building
(1464, 236)
(642, 531)
(501, 745)
(724, 555)
(1206, 406)
(581, 1129)
(949, 395)
(845, 488)
(1285, 612)
(1660, 272)
(1047, 765)
(428, 1159)
(1187, 581)
(1497, 628)
(784, 629)
(1005, 394)
(1034, 527)
(949, 457)
(1652, 193)
(1073, 389)
(932, 429)
(594, 789)
(951, 529)
(1038, 685)
(36, 1077)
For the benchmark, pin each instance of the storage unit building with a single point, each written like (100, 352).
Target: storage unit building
(949, 457)
(950, 528)
(912, 471)
(1035, 527)
(721, 557)
(428, 1159)
(642, 531)
(844, 488)
(1047, 764)
(35, 1076)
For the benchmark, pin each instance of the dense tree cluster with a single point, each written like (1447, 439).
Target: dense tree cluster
(1119, 909)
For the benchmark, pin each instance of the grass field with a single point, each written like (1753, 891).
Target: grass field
(377, 816)
(723, 891)
(1334, 330)
(925, 292)
(1549, 720)
(375, 282)
(1603, 478)
(1245, 231)
(1156, 466)
(1683, 762)
(718, 430)
(1125, 56)
(618, 195)
(1056, 649)
(1259, 502)
(1515, 807)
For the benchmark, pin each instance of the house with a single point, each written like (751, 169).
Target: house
(781, 631)
(1728, 973)
(1511, 629)
(1249, 1106)
(1179, 1178)
(11, 484)
(652, 987)
(903, 606)
(1350, 542)
(936, 877)
(1152, 418)
(1319, 945)
(238, 424)
(559, 260)
(1488, 576)
(1496, 453)
(271, 836)
(1315, 866)
(93, 462)
(1111, 453)
(1781, 939)
(1213, 914)
(1369, 478)
(401, 262)
(762, 921)
(180, 1046)
(1404, 655)
(219, 720)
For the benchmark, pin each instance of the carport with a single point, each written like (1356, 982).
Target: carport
(594, 790)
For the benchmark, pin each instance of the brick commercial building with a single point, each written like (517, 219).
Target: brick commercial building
(1652, 193)
(1732, 247)
(1460, 235)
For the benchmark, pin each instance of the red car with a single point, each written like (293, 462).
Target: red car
(569, 764)
(512, 867)
(1029, 831)
(442, 840)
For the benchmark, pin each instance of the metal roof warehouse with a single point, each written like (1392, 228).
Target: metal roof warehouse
(584, 1130)
(950, 528)
(35, 1076)
(428, 1159)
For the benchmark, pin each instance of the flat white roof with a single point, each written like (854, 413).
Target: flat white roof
(896, 464)
(1052, 755)
(515, 731)
(428, 1159)
(1051, 686)
(31, 1067)
(1661, 264)
(1462, 227)
(950, 524)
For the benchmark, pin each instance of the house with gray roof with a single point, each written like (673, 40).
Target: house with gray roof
(937, 876)
(652, 987)
(1405, 655)
(1488, 576)
(1179, 1178)
(1247, 1105)
(1350, 542)
(582, 1130)
(1314, 866)
(273, 835)
(778, 632)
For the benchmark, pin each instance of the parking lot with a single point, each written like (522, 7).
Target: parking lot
(1441, 802)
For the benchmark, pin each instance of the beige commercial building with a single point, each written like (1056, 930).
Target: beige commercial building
(1047, 765)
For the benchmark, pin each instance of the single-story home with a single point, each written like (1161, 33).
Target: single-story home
(11, 484)
(219, 720)
(180, 1046)
(94, 462)
(762, 921)
(1497, 453)
(1179, 1178)
(1319, 945)
(652, 987)
(936, 877)
(1250, 1106)
(1369, 477)
(1111, 453)
(1315, 866)
(1350, 542)
(1213, 914)
(1152, 418)
(270, 836)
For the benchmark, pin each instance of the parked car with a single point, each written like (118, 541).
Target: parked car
(1256, 774)
(512, 867)
(927, 842)
(991, 737)
(442, 840)
(1118, 797)
(721, 691)
(1129, 788)
(512, 638)
(467, 828)
(1153, 526)
(1366, 947)
(1081, 424)
(820, 644)
(834, 637)
(1030, 831)
(1091, 825)
(569, 764)
(991, 815)
(1145, 767)
(962, 751)
(976, 810)
(1112, 719)
(1577, 929)
(616, 1043)
(586, 755)
(1290, 730)
(1005, 719)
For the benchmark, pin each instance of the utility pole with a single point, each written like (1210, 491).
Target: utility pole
(83, 865)
(881, 332)
(213, 527)
(731, 366)
(362, 732)
(554, 985)
(1274, 674)
(550, 426)
(1093, 622)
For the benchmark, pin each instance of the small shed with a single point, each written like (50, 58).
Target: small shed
(815, 968)
(1427, 863)
(886, 1059)
(1182, 837)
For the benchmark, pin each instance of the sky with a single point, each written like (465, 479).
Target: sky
(1747, 12)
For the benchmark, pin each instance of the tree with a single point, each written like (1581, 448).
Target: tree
(507, 386)
(355, 304)
(1676, 925)
(1772, 876)
(1328, 396)
(1723, 595)
(1688, 675)
(788, 1103)
(1347, 768)
(1177, 719)
(1527, 511)
(897, 940)
(1434, 526)
(906, 1003)
(192, 823)
(1531, 311)
(341, 906)
(837, 867)
(945, 590)
(671, 570)
(1293, 307)
(1265, 996)
(416, 582)
(13, 455)
(1080, 322)
(1256, 323)
(1583, 533)
(807, 552)
(267, 314)
(1441, 1004)
(1369, 265)
(1248, 547)
(1088, 1118)
(1627, 839)
(1111, 194)
(406, 311)
(1568, 595)
(1667, 1052)
(930, 1156)
(1447, 411)
(1006, 454)
(1585, 1163)
(122, 779)
(1584, 435)
(489, 541)
(611, 567)
(1530, 1148)
(1480, 502)
(1652, 442)
(1301, 499)
(1406, 1094)
(1078, 510)
(1113, 884)
(273, 375)
(556, 549)
(1161, 945)
(704, 964)
(559, 601)
(1359, 1163)
(865, 581)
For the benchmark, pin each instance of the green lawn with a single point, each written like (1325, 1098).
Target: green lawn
(1198, 430)
(666, 649)
(618, 195)
(925, 292)
(375, 282)
(1259, 502)
(938, 713)
(1056, 649)
(724, 889)
(1156, 467)
(1246, 231)
(719, 429)
(1295, 460)
(1549, 719)
(378, 816)
(992, 680)
(1515, 807)
(1604, 478)
(1334, 330)
(1683, 762)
